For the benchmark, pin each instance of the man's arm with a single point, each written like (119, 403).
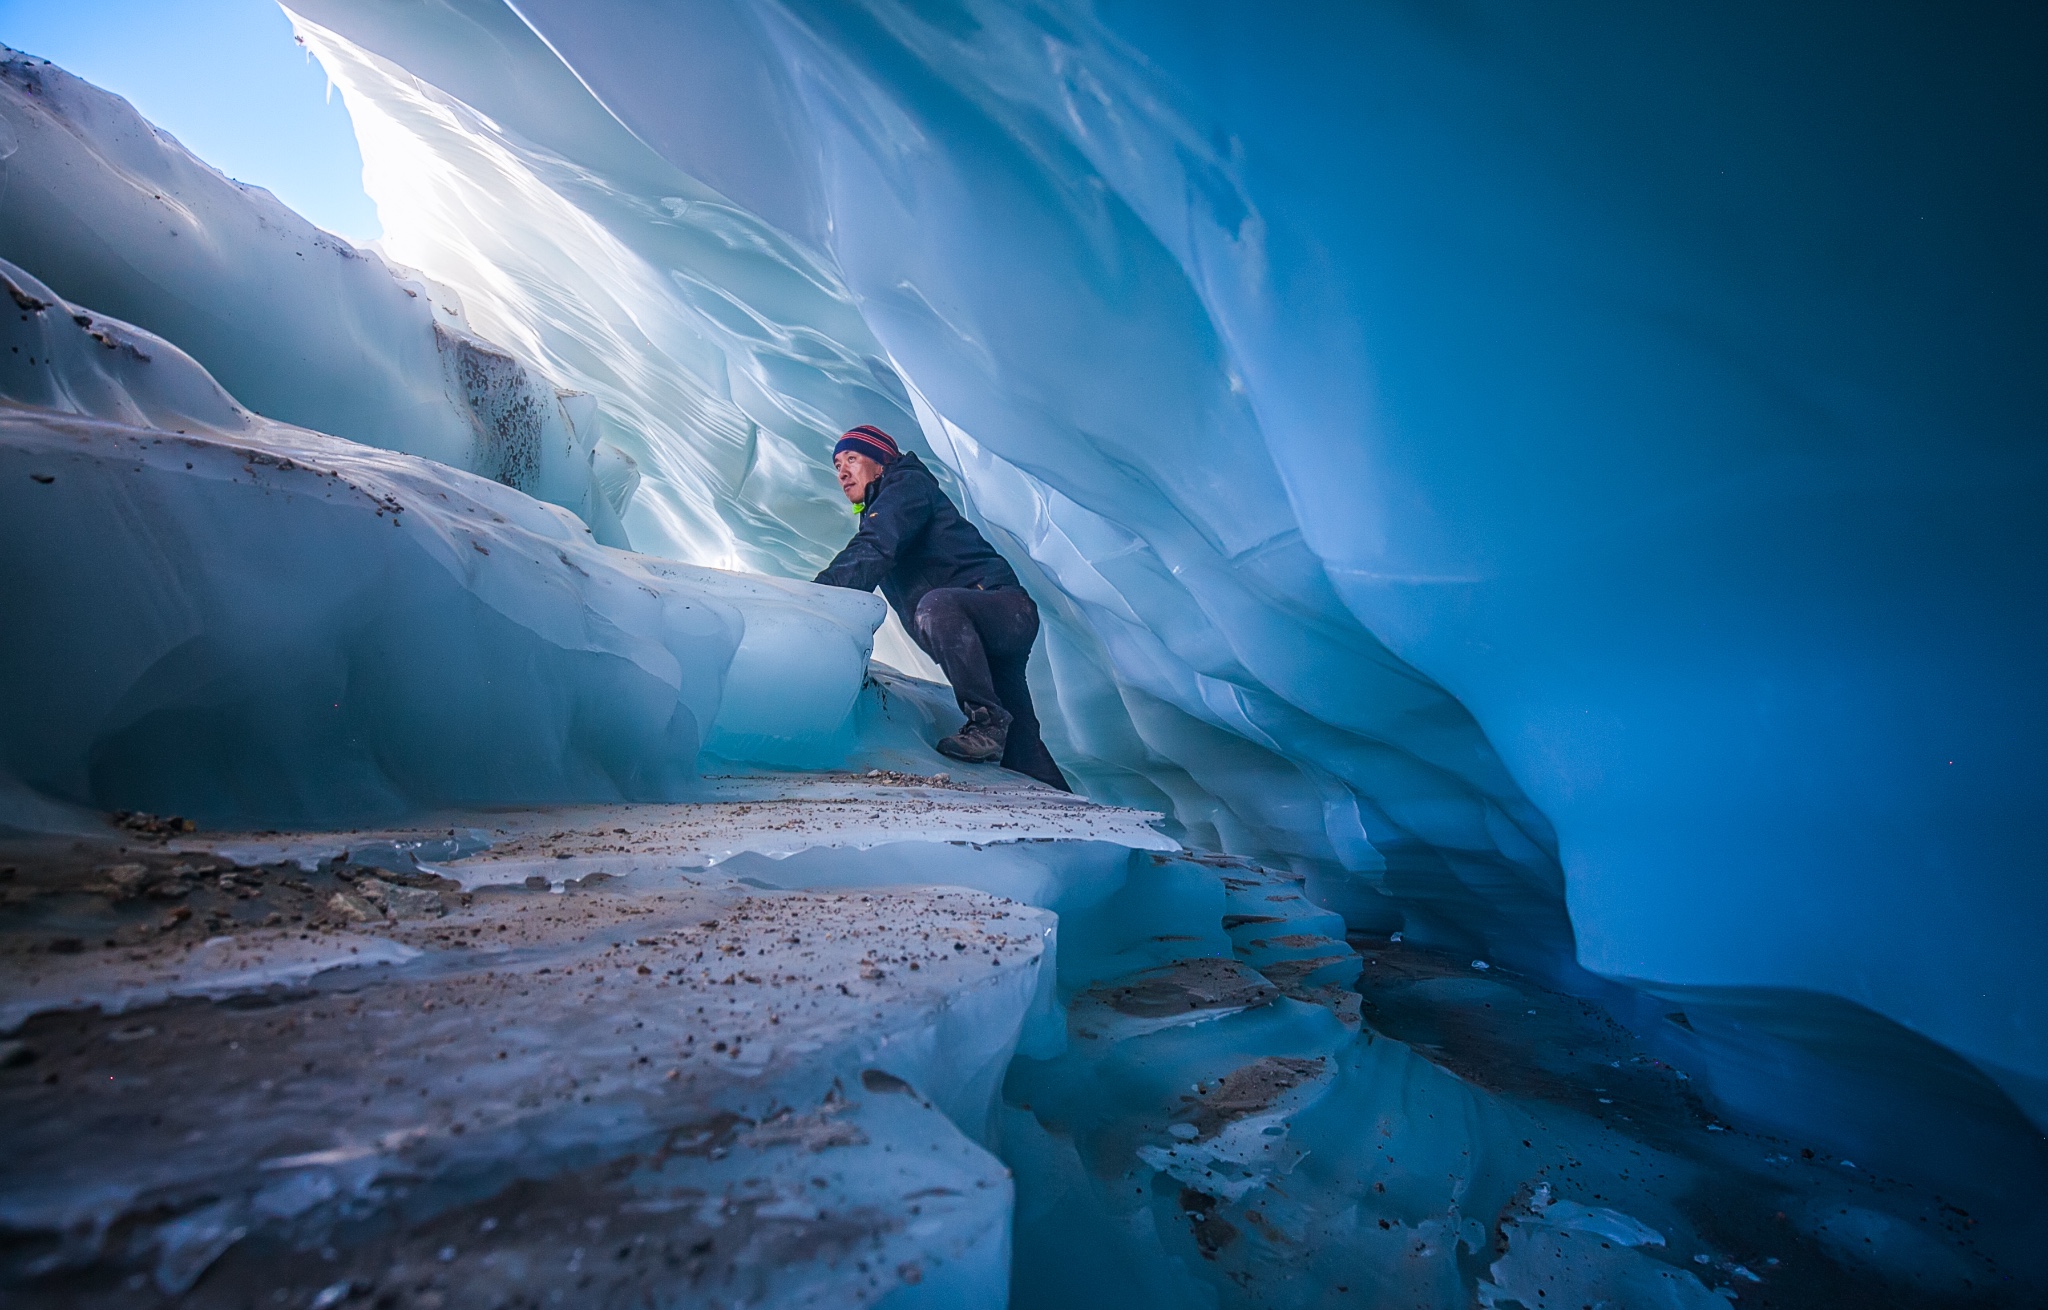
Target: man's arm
(895, 518)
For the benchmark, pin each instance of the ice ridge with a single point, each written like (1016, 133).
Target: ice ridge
(240, 619)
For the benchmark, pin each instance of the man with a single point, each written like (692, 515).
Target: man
(959, 599)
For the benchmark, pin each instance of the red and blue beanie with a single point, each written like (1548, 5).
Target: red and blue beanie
(876, 444)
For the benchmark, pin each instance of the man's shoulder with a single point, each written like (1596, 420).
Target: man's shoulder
(906, 465)
(904, 475)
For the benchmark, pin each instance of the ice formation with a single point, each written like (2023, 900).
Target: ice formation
(295, 322)
(391, 633)
(1305, 390)
(1469, 468)
(1171, 624)
(565, 1080)
(759, 1048)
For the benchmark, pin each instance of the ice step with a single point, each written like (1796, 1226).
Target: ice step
(676, 1093)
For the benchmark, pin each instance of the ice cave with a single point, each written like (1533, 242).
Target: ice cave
(1536, 518)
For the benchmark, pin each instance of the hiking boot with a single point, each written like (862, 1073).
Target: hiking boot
(981, 741)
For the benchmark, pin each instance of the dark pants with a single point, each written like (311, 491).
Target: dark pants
(982, 640)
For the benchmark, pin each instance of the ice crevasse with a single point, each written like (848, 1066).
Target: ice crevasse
(1491, 466)
(1420, 431)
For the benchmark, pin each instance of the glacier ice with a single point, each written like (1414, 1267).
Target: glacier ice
(238, 619)
(1165, 695)
(295, 322)
(1421, 438)
(778, 1074)
(1244, 1104)
(1418, 434)
(565, 1114)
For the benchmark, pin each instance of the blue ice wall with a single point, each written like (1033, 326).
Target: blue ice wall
(1688, 371)
(1665, 386)
(220, 616)
(1689, 376)
(1177, 670)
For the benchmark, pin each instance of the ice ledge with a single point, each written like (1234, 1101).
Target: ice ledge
(217, 968)
(639, 1088)
(769, 815)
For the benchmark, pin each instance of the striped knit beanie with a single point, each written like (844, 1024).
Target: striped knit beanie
(876, 444)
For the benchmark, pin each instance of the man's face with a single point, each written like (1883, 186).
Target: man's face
(856, 472)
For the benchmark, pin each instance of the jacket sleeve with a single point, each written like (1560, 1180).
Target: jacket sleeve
(899, 513)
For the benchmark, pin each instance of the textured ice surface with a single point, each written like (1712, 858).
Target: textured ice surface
(722, 354)
(1253, 1109)
(1289, 433)
(739, 818)
(1177, 657)
(217, 968)
(625, 1074)
(1659, 386)
(703, 1094)
(236, 618)
(296, 323)
(1230, 1114)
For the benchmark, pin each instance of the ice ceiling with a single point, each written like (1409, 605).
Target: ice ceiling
(1493, 462)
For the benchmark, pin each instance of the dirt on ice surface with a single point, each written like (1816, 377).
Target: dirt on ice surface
(772, 817)
(785, 1045)
(259, 1070)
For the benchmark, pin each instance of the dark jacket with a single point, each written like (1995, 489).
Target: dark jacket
(912, 540)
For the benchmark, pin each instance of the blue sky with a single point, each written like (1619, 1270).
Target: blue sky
(225, 78)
